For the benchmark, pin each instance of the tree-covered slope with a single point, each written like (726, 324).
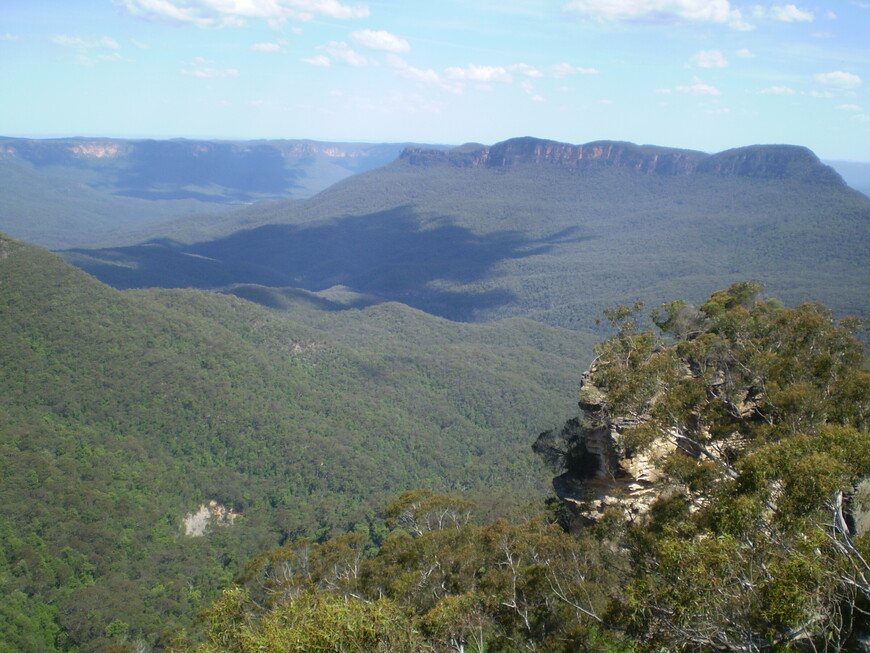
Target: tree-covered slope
(537, 229)
(123, 412)
(750, 420)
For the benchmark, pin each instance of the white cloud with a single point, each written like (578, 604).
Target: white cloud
(89, 52)
(777, 90)
(709, 59)
(79, 44)
(709, 11)
(403, 69)
(210, 72)
(698, 88)
(10, 37)
(526, 69)
(791, 14)
(746, 53)
(201, 67)
(850, 107)
(476, 73)
(380, 40)
(537, 98)
(266, 47)
(561, 70)
(839, 79)
(233, 13)
(556, 71)
(318, 60)
(343, 53)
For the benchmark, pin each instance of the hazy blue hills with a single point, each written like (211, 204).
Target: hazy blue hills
(856, 174)
(534, 228)
(75, 191)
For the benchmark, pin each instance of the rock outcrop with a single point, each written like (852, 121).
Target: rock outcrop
(209, 516)
(614, 475)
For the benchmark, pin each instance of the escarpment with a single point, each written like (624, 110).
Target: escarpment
(759, 161)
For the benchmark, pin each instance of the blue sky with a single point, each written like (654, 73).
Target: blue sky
(700, 74)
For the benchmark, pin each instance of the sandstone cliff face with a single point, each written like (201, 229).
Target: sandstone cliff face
(621, 477)
(71, 150)
(762, 161)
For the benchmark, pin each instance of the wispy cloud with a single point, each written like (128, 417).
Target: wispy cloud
(791, 14)
(745, 53)
(839, 79)
(709, 59)
(267, 47)
(425, 76)
(90, 51)
(380, 40)
(777, 90)
(556, 71)
(697, 87)
(341, 52)
(479, 73)
(701, 11)
(83, 45)
(849, 107)
(201, 67)
(231, 13)
(318, 60)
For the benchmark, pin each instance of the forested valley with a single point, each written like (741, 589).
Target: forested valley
(533, 396)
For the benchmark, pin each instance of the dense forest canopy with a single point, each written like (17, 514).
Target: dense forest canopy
(122, 413)
(757, 539)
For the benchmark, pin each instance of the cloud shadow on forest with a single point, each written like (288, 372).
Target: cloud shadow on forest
(390, 255)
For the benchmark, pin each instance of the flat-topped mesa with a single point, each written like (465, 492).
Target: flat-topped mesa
(763, 161)
(597, 154)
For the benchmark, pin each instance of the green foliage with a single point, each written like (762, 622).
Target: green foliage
(762, 411)
(748, 549)
(498, 587)
(317, 622)
(122, 412)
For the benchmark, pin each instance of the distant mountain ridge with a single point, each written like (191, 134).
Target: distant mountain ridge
(70, 192)
(533, 228)
(763, 161)
(194, 169)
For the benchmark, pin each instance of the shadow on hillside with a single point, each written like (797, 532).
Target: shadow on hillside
(389, 254)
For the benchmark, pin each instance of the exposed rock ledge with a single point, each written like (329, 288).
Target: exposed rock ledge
(761, 161)
(197, 524)
(613, 474)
